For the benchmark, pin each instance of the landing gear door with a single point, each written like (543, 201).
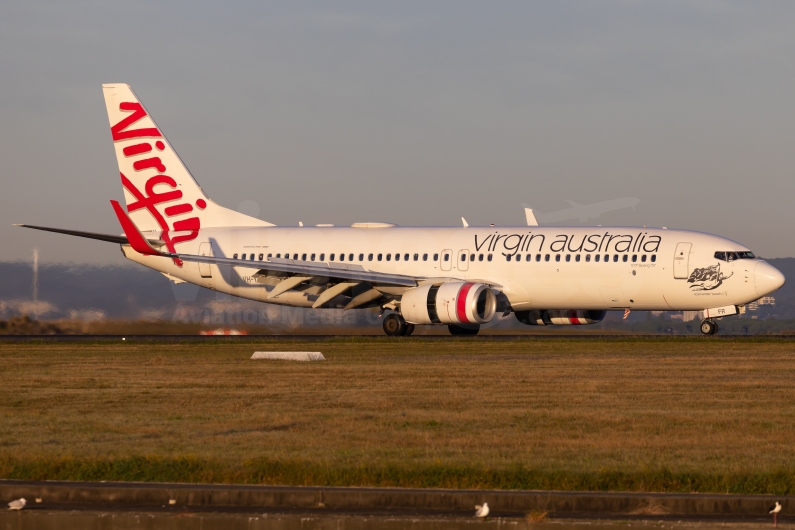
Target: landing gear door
(463, 260)
(205, 249)
(681, 261)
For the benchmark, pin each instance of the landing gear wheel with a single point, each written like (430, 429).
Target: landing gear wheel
(460, 330)
(708, 327)
(409, 330)
(394, 325)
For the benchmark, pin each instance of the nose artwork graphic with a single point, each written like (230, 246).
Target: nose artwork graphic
(707, 279)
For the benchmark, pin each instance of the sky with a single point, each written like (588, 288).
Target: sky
(416, 113)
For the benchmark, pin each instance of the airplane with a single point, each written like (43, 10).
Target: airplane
(461, 277)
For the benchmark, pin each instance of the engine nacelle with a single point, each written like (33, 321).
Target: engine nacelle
(560, 317)
(449, 303)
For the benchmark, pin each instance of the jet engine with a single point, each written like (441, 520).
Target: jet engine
(449, 303)
(560, 317)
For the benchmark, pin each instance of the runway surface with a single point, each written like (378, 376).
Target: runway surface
(169, 499)
(252, 338)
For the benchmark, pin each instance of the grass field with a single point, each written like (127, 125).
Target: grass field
(625, 414)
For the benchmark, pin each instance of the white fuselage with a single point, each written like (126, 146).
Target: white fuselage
(562, 271)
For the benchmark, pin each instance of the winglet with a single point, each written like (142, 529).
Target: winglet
(134, 236)
(531, 218)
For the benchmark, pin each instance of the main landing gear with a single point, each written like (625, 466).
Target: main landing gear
(396, 326)
(709, 327)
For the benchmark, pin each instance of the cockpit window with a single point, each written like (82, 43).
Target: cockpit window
(731, 256)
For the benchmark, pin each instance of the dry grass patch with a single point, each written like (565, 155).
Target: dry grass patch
(680, 415)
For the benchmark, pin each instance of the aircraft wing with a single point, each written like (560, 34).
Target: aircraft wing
(121, 240)
(303, 268)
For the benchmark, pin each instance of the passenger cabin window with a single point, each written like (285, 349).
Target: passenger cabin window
(331, 257)
(568, 257)
(406, 257)
(463, 257)
(388, 257)
(615, 258)
(471, 257)
(480, 257)
(425, 257)
(557, 257)
(643, 258)
(295, 256)
(607, 258)
(303, 257)
(634, 258)
(312, 257)
(369, 257)
(625, 258)
(508, 257)
(269, 256)
(538, 257)
(416, 257)
(234, 256)
(488, 258)
(397, 257)
(446, 257)
(546, 257)
(596, 258)
(261, 256)
(380, 257)
(279, 255)
(322, 257)
(577, 259)
(653, 258)
(436, 257)
(587, 257)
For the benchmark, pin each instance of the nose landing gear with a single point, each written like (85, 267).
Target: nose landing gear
(709, 327)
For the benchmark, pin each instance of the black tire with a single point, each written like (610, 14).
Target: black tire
(394, 325)
(409, 330)
(463, 331)
(708, 327)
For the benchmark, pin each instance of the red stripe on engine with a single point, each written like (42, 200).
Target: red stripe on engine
(461, 303)
(573, 318)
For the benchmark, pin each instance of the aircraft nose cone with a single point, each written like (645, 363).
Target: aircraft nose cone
(767, 278)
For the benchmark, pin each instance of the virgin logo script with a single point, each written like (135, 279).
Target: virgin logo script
(167, 191)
